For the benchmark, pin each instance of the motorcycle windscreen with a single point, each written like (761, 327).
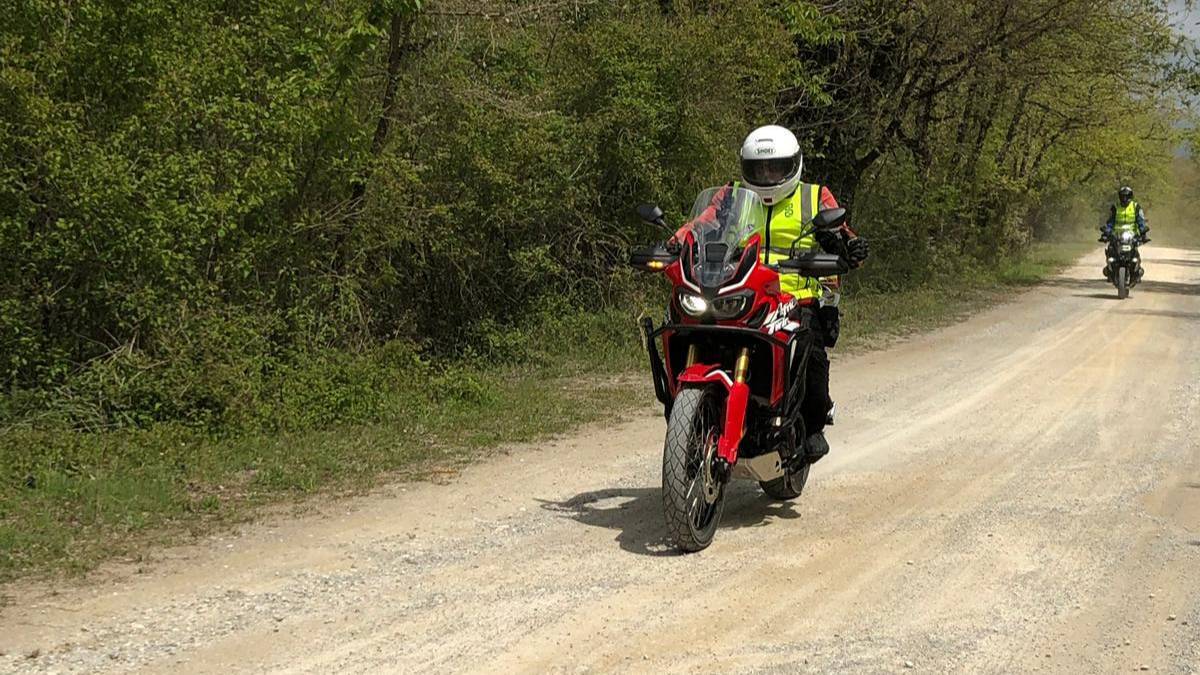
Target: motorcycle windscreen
(723, 219)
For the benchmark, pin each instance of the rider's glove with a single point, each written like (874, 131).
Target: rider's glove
(675, 243)
(857, 251)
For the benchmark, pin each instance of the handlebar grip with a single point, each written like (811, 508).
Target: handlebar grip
(652, 258)
(816, 265)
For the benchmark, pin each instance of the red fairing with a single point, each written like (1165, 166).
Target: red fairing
(703, 373)
(735, 422)
(779, 372)
(735, 405)
(762, 280)
(772, 311)
(769, 301)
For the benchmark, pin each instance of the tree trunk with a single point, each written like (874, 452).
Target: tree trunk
(397, 45)
(1013, 125)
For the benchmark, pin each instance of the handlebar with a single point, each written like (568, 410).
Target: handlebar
(810, 264)
(815, 265)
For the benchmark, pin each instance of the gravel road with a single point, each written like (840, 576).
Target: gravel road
(1017, 492)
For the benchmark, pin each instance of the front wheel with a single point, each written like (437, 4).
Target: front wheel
(693, 496)
(1122, 282)
(788, 486)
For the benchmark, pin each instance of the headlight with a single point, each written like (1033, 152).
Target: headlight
(724, 308)
(730, 307)
(694, 305)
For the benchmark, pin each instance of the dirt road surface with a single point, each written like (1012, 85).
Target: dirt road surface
(1018, 492)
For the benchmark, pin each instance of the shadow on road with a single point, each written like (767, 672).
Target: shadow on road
(1175, 261)
(636, 514)
(1168, 313)
(1146, 285)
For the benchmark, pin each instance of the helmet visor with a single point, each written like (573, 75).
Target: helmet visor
(769, 172)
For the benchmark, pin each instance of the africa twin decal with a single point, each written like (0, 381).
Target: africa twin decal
(778, 320)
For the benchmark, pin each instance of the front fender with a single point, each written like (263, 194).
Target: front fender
(702, 373)
(735, 405)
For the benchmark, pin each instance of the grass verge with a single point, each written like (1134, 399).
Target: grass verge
(70, 500)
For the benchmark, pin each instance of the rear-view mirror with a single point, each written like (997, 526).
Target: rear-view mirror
(651, 214)
(828, 219)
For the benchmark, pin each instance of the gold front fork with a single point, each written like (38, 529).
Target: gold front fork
(691, 356)
(743, 366)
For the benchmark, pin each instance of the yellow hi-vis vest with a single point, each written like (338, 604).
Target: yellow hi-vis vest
(786, 222)
(1126, 217)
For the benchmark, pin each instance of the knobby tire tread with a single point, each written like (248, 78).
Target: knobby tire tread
(688, 405)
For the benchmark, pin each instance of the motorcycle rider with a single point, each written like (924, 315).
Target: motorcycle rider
(771, 166)
(1125, 217)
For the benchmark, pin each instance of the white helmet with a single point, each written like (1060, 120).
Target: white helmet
(771, 163)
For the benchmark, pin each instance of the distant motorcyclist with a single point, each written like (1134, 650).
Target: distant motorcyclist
(771, 163)
(1125, 216)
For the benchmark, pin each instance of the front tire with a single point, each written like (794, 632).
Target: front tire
(693, 497)
(1122, 283)
(788, 486)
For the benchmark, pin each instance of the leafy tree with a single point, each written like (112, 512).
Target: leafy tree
(197, 196)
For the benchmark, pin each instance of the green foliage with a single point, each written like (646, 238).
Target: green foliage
(333, 420)
(196, 198)
(146, 169)
(960, 131)
(227, 217)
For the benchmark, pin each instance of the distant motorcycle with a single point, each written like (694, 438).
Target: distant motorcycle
(1124, 267)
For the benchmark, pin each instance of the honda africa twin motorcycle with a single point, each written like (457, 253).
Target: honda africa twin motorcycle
(1124, 267)
(730, 373)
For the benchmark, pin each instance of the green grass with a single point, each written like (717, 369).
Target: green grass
(70, 500)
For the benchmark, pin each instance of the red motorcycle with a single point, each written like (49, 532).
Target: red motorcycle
(731, 370)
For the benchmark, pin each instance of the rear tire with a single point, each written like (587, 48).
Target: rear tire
(788, 486)
(692, 497)
(1122, 283)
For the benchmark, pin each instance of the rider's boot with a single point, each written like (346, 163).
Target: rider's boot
(1107, 272)
(816, 447)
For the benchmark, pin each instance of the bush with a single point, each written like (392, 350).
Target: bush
(217, 215)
